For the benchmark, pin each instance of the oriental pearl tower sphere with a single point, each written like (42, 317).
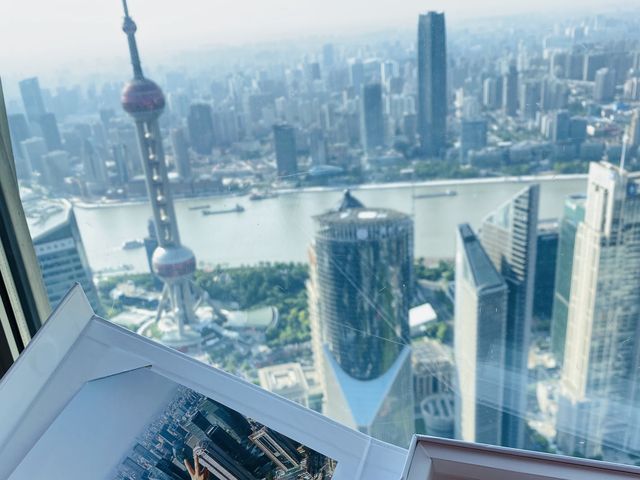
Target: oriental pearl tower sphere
(177, 323)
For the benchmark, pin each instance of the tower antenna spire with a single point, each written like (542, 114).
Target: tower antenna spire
(129, 27)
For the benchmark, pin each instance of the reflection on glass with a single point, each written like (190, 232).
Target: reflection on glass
(477, 280)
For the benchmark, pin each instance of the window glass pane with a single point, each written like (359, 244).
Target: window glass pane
(410, 221)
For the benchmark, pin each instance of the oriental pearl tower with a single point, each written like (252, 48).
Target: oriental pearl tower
(179, 320)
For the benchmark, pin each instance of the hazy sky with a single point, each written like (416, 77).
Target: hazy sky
(35, 34)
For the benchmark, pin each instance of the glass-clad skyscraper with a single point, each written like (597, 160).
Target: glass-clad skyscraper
(372, 119)
(573, 214)
(360, 293)
(432, 83)
(479, 342)
(509, 236)
(600, 386)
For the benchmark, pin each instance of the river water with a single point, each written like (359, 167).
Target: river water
(281, 228)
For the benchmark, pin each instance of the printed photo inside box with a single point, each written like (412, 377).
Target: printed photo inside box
(139, 424)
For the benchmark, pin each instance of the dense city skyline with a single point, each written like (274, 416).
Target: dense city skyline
(479, 106)
(91, 46)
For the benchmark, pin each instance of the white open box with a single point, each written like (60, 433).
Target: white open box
(442, 459)
(75, 349)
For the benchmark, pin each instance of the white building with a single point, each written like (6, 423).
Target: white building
(479, 342)
(59, 248)
(287, 380)
(600, 387)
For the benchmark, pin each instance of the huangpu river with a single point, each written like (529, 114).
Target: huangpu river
(281, 228)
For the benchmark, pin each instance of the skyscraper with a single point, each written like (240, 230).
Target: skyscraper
(284, 138)
(492, 92)
(529, 103)
(59, 249)
(50, 133)
(509, 236)
(432, 84)
(32, 99)
(599, 394)
(546, 260)
(19, 131)
(371, 119)
(510, 91)
(359, 296)
(200, 124)
(95, 169)
(473, 136)
(479, 342)
(175, 264)
(33, 149)
(317, 147)
(573, 214)
(181, 153)
(605, 85)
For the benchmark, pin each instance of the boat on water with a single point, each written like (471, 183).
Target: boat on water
(258, 195)
(132, 244)
(446, 193)
(237, 209)
(199, 207)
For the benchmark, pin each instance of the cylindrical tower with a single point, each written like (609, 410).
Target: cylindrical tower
(364, 269)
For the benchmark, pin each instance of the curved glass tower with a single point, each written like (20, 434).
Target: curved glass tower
(359, 299)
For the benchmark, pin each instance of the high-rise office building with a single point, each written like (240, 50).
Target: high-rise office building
(181, 153)
(578, 129)
(317, 147)
(592, 63)
(554, 94)
(546, 260)
(529, 102)
(371, 117)
(32, 99)
(432, 84)
(359, 296)
(480, 342)
(19, 130)
(200, 125)
(50, 133)
(56, 166)
(572, 215)
(604, 87)
(560, 126)
(125, 138)
(356, 75)
(473, 136)
(599, 394)
(59, 249)
(33, 149)
(95, 169)
(510, 91)
(492, 92)
(284, 138)
(509, 236)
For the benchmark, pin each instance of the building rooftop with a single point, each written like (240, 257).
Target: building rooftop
(427, 352)
(283, 379)
(43, 214)
(421, 315)
(483, 271)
